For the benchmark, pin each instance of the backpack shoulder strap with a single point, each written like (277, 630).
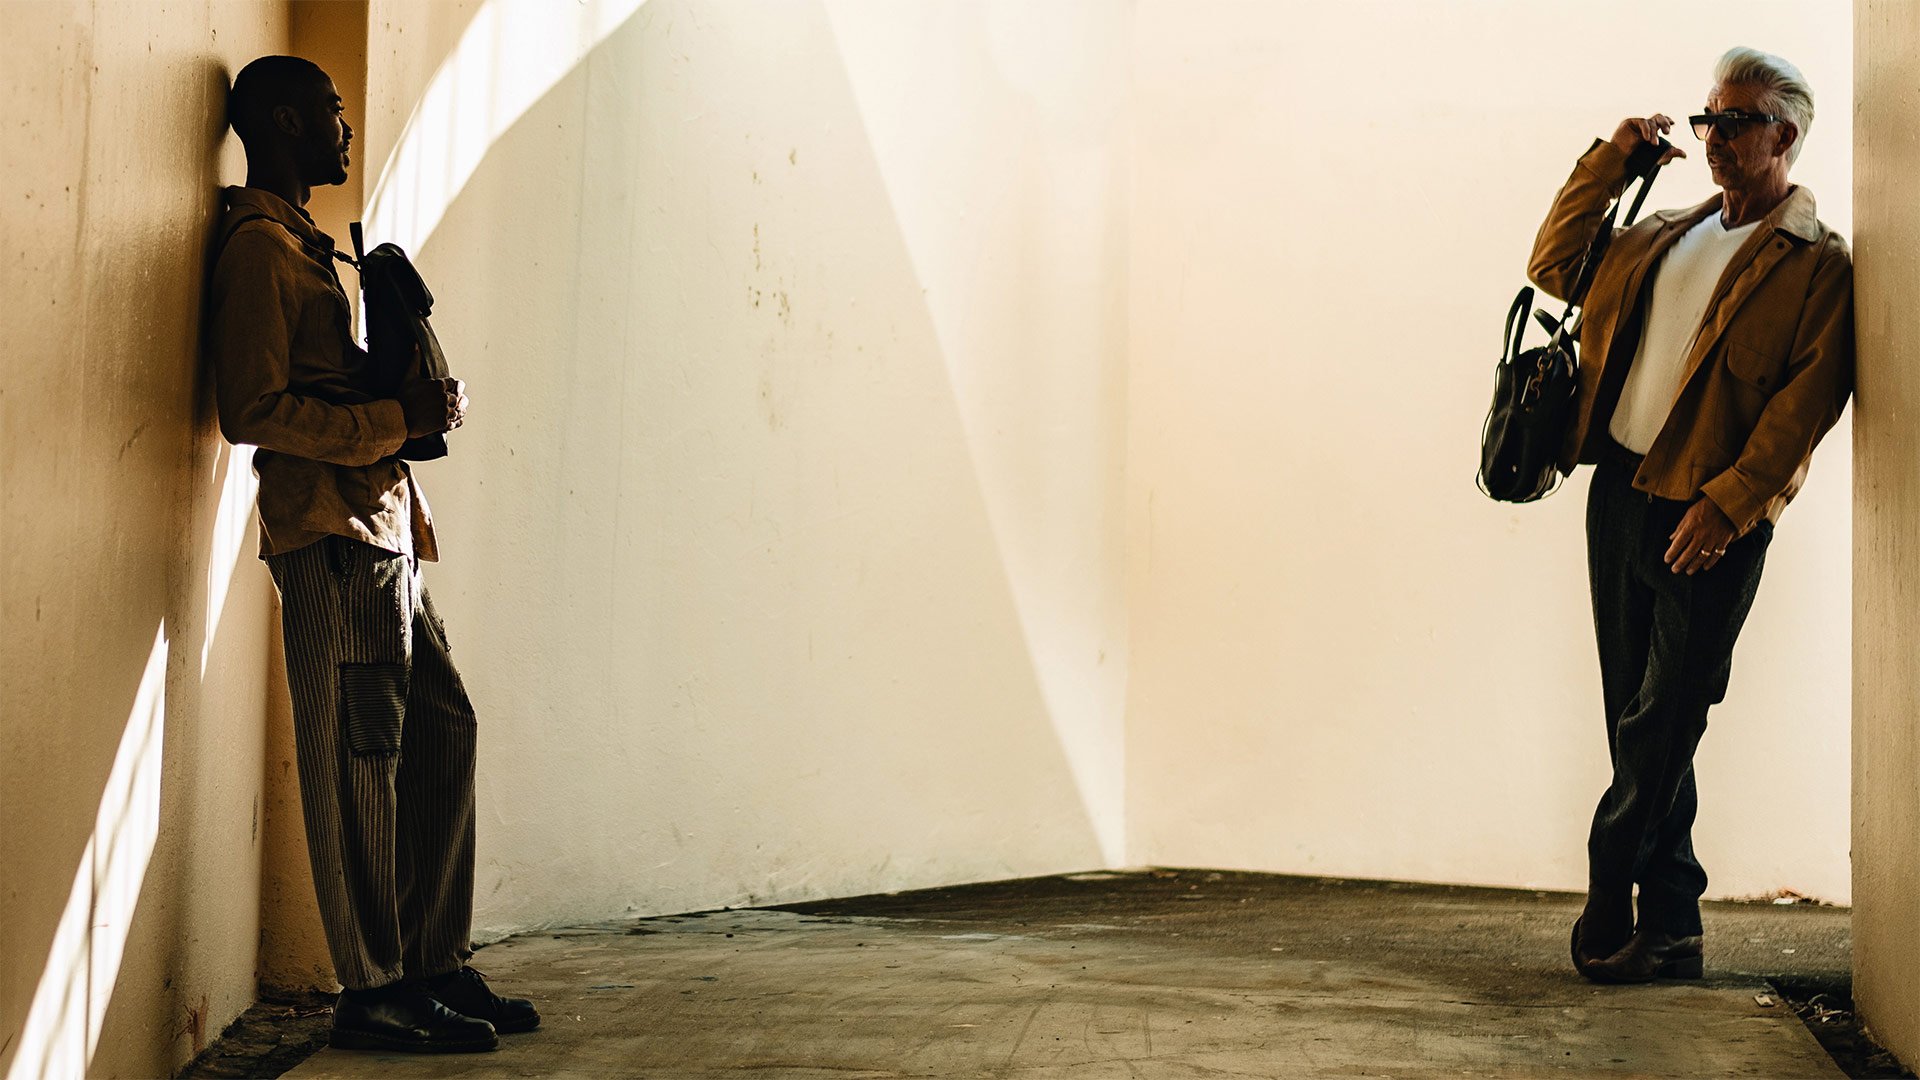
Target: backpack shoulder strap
(234, 228)
(324, 255)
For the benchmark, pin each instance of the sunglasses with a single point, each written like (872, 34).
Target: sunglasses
(1728, 124)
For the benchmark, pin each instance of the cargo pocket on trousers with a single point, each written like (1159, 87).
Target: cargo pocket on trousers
(375, 698)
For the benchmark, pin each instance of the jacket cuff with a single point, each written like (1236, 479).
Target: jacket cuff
(1606, 162)
(389, 425)
(1736, 500)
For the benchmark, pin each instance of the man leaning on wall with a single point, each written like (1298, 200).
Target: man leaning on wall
(1717, 350)
(383, 728)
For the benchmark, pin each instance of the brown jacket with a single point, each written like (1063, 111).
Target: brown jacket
(286, 378)
(1769, 372)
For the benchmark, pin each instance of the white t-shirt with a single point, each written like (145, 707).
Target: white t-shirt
(1682, 286)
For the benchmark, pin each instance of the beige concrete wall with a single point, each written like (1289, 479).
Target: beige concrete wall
(132, 674)
(782, 548)
(1346, 660)
(1886, 490)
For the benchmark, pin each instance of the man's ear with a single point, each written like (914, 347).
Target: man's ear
(1789, 134)
(287, 119)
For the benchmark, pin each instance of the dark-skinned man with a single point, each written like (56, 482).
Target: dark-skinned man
(383, 728)
(1716, 351)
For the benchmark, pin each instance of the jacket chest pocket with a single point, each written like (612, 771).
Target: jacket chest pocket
(1761, 369)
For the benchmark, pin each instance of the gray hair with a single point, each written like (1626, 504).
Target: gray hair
(1783, 90)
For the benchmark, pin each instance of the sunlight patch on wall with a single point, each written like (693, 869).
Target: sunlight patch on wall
(509, 57)
(231, 518)
(70, 1002)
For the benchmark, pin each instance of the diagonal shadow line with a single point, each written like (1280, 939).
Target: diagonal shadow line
(511, 72)
(1108, 822)
(1104, 823)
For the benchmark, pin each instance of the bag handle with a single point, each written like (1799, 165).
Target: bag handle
(1517, 324)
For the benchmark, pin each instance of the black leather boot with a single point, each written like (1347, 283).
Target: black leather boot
(406, 1018)
(1651, 955)
(466, 992)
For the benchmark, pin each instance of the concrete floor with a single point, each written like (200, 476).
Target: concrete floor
(1157, 974)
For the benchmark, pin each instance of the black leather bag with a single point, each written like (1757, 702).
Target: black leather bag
(1534, 390)
(400, 339)
(1533, 394)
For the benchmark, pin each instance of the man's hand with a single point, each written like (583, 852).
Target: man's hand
(434, 406)
(1701, 539)
(1635, 131)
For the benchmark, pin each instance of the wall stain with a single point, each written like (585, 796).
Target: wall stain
(196, 1028)
(774, 420)
(128, 445)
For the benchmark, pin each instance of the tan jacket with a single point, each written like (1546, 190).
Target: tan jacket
(286, 378)
(1768, 373)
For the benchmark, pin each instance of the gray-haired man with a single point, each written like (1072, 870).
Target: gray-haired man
(1717, 350)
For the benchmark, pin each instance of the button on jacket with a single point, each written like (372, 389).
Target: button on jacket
(1768, 373)
(288, 380)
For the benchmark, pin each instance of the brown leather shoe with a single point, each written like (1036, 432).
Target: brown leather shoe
(1649, 955)
(1589, 945)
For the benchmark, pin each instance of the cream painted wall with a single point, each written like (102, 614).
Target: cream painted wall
(132, 675)
(1346, 661)
(862, 392)
(783, 546)
(1886, 491)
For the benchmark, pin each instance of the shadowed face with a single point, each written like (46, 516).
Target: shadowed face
(323, 135)
(1742, 161)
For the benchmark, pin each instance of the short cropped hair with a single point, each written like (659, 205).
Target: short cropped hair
(263, 86)
(1783, 90)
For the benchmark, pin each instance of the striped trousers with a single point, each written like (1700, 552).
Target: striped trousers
(385, 737)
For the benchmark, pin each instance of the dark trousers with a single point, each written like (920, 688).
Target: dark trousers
(385, 737)
(1666, 651)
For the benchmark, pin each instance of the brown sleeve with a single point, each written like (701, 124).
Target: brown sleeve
(1811, 397)
(1598, 178)
(254, 306)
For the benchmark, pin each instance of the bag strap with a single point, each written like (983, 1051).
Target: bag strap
(1517, 324)
(228, 236)
(1603, 237)
(311, 248)
(1640, 197)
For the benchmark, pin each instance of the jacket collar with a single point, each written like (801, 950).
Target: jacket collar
(1795, 215)
(246, 200)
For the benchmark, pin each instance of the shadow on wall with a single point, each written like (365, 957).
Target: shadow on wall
(133, 706)
(70, 1002)
(65, 1020)
(722, 562)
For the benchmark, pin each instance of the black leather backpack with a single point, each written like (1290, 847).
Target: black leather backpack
(400, 339)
